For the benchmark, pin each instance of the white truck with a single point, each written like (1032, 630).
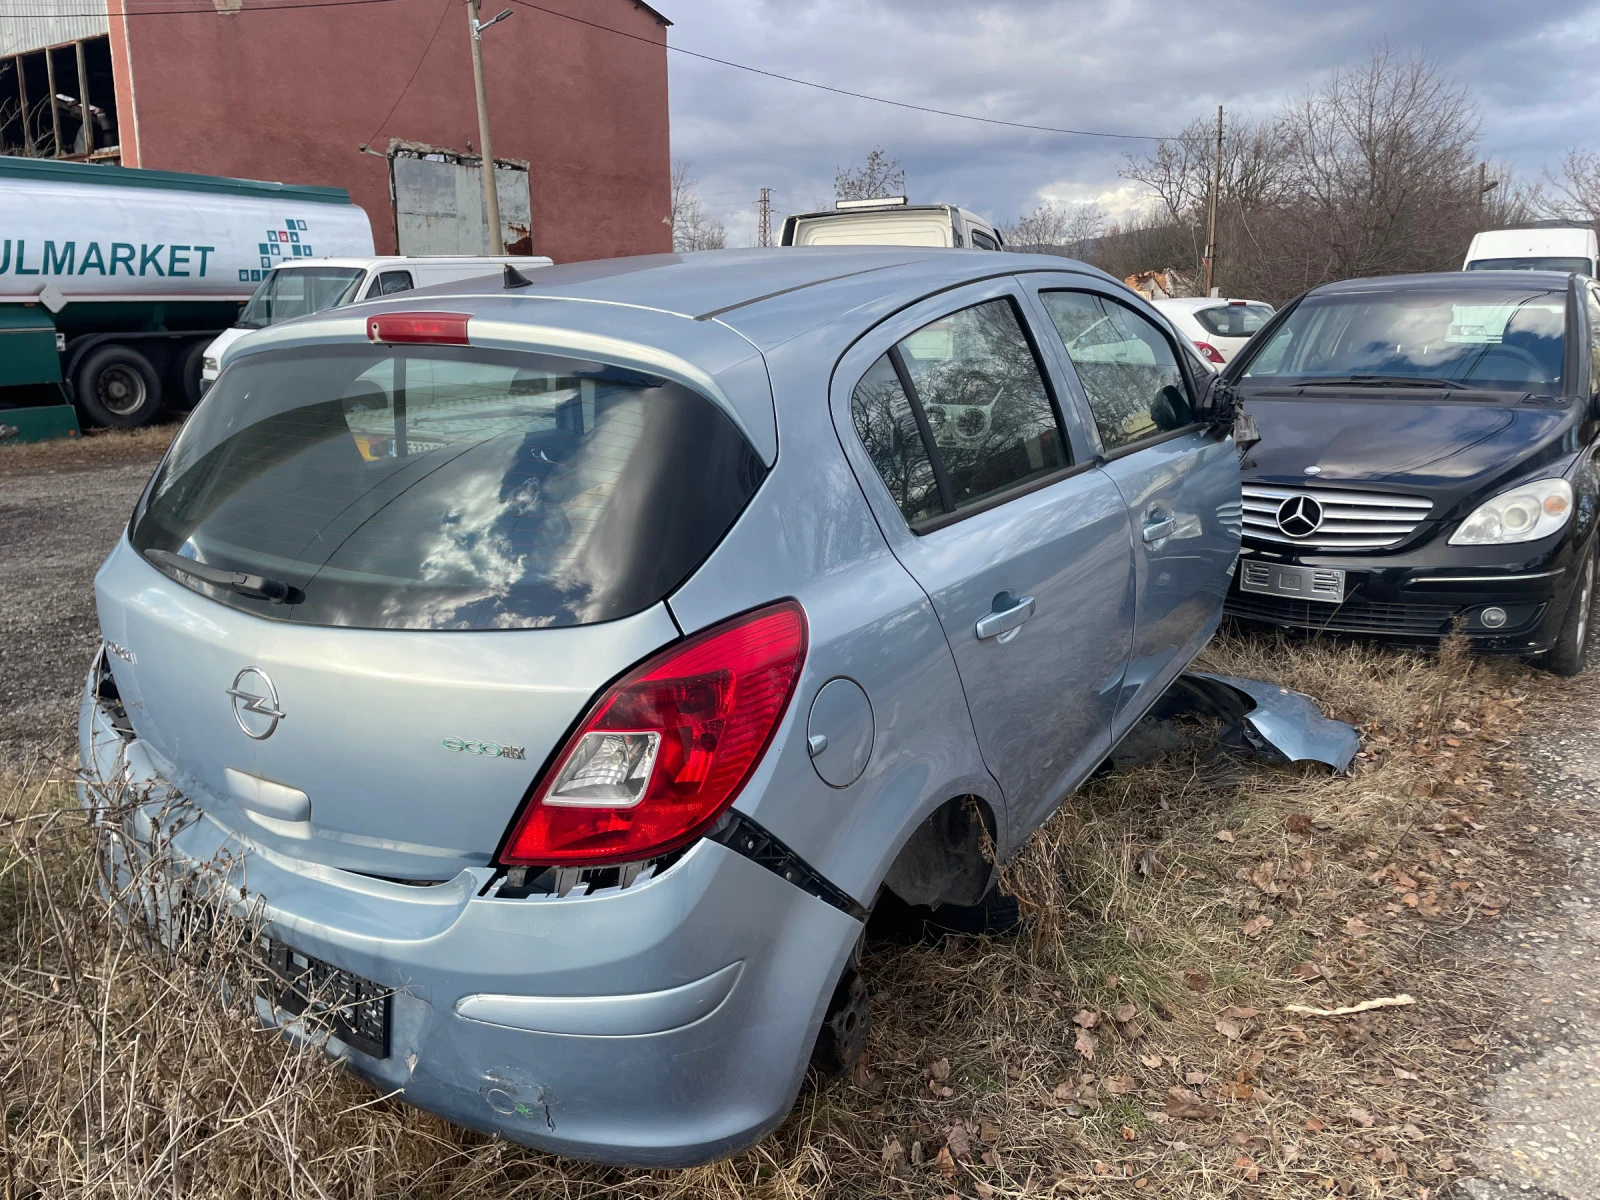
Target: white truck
(113, 280)
(299, 288)
(891, 221)
(1545, 246)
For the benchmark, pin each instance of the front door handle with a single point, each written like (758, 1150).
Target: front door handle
(998, 624)
(1159, 531)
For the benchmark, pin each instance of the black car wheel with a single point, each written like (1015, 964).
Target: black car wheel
(1570, 654)
(117, 387)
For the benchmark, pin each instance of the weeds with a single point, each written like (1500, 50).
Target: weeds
(1130, 1040)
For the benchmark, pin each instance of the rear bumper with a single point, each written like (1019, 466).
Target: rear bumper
(1420, 596)
(663, 1024)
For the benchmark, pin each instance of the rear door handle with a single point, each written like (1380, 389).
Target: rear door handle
(996, 624)
(1157, 531)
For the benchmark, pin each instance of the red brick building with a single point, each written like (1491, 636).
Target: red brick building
(231, 88)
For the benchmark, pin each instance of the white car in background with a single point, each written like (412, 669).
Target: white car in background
(1218, 327)
(311, 285)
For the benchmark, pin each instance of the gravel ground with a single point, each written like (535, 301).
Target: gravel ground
(1543, 1137)
(56, 524)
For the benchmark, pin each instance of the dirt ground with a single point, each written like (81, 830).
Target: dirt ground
(1489, 1087)
(62, 507)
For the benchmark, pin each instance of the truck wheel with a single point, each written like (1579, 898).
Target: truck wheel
(117, 387)
(1570, 654)
(191, 363)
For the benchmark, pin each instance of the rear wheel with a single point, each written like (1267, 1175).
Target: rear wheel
(190, 364)
(117, 387)
(1570, 654)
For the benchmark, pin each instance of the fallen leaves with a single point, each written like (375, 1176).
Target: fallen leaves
(1085, 1044)
(1226, 835)
(1184, 1105)
(1361, 1117)
(1256, 926)
(937, 1073)
(1196, 981)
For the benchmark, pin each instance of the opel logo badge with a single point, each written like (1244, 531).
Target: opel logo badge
(255, 703)
(1299, 516)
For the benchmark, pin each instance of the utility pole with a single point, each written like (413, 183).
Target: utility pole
(764, 208)
(491, 192)
(1211, 231)
(1485, 185)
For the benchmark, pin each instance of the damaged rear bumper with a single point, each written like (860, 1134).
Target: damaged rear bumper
(662, 1024)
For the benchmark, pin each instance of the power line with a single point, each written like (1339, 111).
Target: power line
(190, 12)
(725, 62)
(445, 12)
(823, 87)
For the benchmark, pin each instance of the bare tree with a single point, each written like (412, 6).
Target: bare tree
(1056, 228)
(693, 228)
(1373, 173)
(877, 178)
(1572, 193)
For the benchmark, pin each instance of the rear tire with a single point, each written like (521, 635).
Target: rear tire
(1570, 654)
(118, 388)
(191, 363)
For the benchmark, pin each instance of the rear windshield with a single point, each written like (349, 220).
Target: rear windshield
(1233, 320)
(1538, 263)
(446, 488)
(300, 292)
(1511, 339)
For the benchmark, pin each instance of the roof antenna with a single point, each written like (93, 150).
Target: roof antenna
(516, 279)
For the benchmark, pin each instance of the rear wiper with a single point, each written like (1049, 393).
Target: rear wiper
(1425, 381)
(258, 586)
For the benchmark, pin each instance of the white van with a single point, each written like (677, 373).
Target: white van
(314, 284)
(1546, 246)
(891, 222)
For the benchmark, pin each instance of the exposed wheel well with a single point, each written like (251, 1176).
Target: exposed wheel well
(949, 858)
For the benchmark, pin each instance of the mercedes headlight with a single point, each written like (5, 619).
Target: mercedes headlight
(1524, 514)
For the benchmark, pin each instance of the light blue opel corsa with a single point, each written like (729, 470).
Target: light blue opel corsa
(563, 668)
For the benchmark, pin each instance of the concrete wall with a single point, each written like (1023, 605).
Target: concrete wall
(290, 95)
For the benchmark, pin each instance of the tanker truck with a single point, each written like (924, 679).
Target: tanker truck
(113, 280)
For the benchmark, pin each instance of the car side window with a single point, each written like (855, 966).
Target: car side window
(889, 429)
(391, 282)
(1127, 366)
(961, 405)
(983, 241)
(1594, 340)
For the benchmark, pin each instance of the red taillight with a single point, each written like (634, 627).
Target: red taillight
(666, 748)
(430, 328)
(1210, 352)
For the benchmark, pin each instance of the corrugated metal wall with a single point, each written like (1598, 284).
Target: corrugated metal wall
(33, 24)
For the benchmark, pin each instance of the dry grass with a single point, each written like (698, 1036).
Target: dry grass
(123, 1073)
(92, 448)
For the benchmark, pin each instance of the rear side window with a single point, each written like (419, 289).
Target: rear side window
(447, 488)
(1129, 372)
(969, 409)
(1233, 320)
(390, 283)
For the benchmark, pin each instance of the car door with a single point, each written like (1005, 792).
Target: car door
(988, 499)
(1180, 481)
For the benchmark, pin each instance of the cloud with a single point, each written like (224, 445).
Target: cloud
(1128, 66)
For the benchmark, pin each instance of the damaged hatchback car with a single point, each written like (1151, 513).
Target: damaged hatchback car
(563, 668)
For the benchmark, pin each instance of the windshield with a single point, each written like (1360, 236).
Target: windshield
(444, 488)
(1510, 340)
(1565, 265)
(299, 292)
(1233, 320)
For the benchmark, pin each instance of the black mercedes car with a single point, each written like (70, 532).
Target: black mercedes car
(1426, 462)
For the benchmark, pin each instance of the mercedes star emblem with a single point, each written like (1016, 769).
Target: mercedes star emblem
(255, 703)
(1299, 516)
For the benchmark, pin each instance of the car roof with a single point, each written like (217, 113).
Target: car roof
(1195, 303)
(764, 294)
(1554, 280)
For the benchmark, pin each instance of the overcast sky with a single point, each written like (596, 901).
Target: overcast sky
(1121, 66)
